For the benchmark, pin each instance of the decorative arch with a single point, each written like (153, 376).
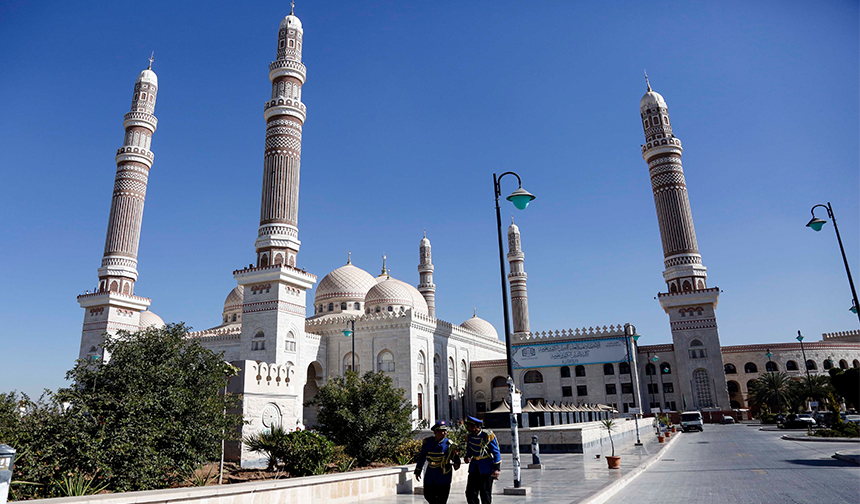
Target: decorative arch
(279, 259)
(451, 376)
(650, 369)
(624, 368)
(500, 381)
(385, 361)
(313, 379)
(437, 365)
(422, 363)
(791, 366)
(856, 363)
(750, 367)
(579, 371)
(733, 387)
(810, 365)
(564, 372)
(771, 367)
(696, 343)
(347, 363)
(843, 364)
(533, 376)
(730, 369)
(608, 369)
(665, 368)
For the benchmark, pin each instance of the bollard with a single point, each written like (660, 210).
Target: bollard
(535, 454)
(7, 461)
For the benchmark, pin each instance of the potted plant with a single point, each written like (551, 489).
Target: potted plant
(612, 461)
(658, 427)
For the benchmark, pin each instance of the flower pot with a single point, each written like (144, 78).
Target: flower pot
(674, 429)
(661, 439)
(668, 434)
(613, 462)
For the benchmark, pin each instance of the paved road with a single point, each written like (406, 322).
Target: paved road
(741, 464)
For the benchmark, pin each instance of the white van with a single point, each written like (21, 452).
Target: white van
(691, 420)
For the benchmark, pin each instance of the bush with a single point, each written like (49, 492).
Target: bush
(845, 430)
(406, 452)
(300, 452)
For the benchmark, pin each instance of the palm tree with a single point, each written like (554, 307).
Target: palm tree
(820, 390)
(771, 389)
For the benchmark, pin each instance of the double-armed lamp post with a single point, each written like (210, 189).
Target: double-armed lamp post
(630, 333)
(521, 199)
(816, 224)
(806, 366)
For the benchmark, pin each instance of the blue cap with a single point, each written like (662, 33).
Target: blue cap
(473, 420)
(440, 425)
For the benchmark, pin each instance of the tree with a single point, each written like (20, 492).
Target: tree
(140, 421)
(771, 389)
(847, 385)
(368, 415)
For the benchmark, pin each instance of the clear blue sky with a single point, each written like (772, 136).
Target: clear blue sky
(411, 108)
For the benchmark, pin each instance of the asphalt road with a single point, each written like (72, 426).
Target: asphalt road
(741, 464)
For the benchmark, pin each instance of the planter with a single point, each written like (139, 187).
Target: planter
(661, 439)
(668, 434)
(674, 429)
(613, 462)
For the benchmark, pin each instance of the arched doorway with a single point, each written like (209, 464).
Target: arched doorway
(312, 381)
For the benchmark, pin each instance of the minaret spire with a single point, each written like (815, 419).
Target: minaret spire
(647, 82)
(151, 59)
(517, 278)
(425, 272)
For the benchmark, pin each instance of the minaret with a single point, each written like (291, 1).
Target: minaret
(278, 236)
(517, 278)
(690, 304)
(425, 270)
(113, 305)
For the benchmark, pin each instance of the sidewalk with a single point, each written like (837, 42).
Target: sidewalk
(566, 477)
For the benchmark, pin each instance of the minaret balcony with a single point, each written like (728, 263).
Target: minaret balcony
(135, 154)
(287, 68)
(141, 119)
(662, 145)
(284, 106)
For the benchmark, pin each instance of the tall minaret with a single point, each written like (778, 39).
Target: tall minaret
(278, 236)
(425, 270)
(517, 278)
(113, 305)
(690, 304)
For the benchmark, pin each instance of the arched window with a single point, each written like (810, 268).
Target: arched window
(730, 369)
(357, 306)
(856, 363)
(234, 317)
(464, 373)
(422, 363)
(695, 351)
(533, 376)
(437, 365)
(810, 365)
(750, 367)
(650, 369)
(608, 369)
(347, 363)
(391, 308)
(843, 364)
(331, 307)
(624, 368)
(451, 371)
(771, 367)
(500, 381)
(733, 387)
(343, 305)
(696, 342)
(385, 362)
(579, 370)
(290, 342)
(377, 309)
(751, 385)
(828, 364)
(665, 368)
(565, 372)
(791, 366)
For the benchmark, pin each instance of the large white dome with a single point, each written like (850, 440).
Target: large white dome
(149, 319)
(395, 293)
(345, 283)
(480, 326)
(234, 299)
(148, 76)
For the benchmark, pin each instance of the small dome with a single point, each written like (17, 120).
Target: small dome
(513, 229)
(235, 299)
(148, 76)
(149, 319)
(652, 99)
(291, 21)
(392, 292)
(480, 326)
(346, 282)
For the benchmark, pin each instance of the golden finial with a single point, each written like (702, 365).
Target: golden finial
(425, 233)
(647, 82)
(349, 257)
(474, 312)
(384, 269)
(151, 59)
(292, 7)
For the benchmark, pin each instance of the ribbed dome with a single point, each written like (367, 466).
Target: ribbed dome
(235, 299)
(480, 326)
(149, 319)
(652, 99)
(346, 282)
(291, 21)
(148, 76)
(392, 292)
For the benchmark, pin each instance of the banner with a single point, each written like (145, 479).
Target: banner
(568, 353)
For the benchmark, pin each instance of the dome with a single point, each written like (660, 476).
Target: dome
(481, 327)
(392, 292)
(346, 282)
(513, 228)
(149, 319)
(148, 76)
(652, 99)
(235, 299)
(291, 21)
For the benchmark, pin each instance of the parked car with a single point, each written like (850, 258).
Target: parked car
(803, 420)
(728, 419)
(692, 420)
(855, 419)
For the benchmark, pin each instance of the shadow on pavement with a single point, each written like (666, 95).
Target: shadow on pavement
(820, 462)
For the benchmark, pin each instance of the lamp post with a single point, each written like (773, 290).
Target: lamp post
(652, 360)
(770, 365)
(349, 332)
(521, 199)
(630, 332)
(816, 224)
(806, 365)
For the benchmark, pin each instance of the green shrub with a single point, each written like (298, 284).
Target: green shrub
(406, 452)
(273, 443)
(307, 453)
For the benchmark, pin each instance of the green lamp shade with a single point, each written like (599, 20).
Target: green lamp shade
(816, 224)
(347, 333)
(853, 309)
(654, 358)
(799, 337)
(769, 355)
(636, 337)
(521, 198)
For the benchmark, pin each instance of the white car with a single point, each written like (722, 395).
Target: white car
(855, 419)
(805, 418)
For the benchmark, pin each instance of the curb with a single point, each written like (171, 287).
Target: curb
(854, 458)
(815, 439)
(607, 492)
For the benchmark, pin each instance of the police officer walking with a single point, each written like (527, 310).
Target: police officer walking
(484, 459)
(442, 457)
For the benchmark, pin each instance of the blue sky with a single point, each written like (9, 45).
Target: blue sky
(411, 108)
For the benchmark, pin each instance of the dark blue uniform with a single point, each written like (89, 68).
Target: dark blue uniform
(483, 449)
(437, 478)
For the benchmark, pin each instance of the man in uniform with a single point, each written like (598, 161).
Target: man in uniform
(484, 459)
(441, 455)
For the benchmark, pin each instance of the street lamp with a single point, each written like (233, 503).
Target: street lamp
(349, 332)
(806, 365)
(652, 361)
(630, 332)
(770, 365)
(521, 199)
(816, 224)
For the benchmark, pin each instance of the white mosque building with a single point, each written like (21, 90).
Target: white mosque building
(285, 353)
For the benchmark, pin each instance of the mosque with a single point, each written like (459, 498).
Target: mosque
(285, 353)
